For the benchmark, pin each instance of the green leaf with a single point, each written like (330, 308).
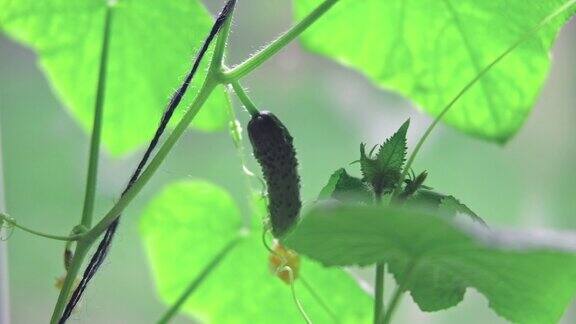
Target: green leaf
(384, 171)
(190, 222)
(428, 50)
(431, 201)
(526, 277)
(152, 45)
(392, 153)
(451, 206)
(346, 188)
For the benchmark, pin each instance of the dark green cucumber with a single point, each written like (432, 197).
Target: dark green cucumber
(274, 149)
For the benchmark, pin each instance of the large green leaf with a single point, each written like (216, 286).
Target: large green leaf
(428, 50)
(526, 278)
(190, 222)
(152, 45)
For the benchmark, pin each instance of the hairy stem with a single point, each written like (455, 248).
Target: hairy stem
(266, 53)
(171, 312)
(244, 99)
(526, 36)
(220, 47)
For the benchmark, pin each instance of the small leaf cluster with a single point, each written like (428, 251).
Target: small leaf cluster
(382, 174)
(383, 171)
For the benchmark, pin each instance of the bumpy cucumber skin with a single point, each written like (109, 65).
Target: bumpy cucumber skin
(273, 148)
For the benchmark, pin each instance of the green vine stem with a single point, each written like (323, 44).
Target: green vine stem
(379, 292)
(86, 220)
(244, 99)
(11, 222)
(526, 36)
(259, 58)
(213, 264)
(379, 283)
(92, 174)
(217, 62)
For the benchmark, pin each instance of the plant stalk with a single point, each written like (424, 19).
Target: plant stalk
(244, 98)
(87, 212)
(379, 284)
(217, 62)
(92, 173)
(379, 292)
(262, 56)
(80, 253)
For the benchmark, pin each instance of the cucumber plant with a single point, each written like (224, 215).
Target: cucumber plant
(389, 218)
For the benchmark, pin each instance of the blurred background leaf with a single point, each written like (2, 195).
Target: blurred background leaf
(428, 50)
(152, 46)
(188, 223)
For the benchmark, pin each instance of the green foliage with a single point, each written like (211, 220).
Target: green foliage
(431, 201)
(526, 278)
(346, 188)
(383, 171)
(427, 50)
(190, 222)
(152, 44)
(452, 206)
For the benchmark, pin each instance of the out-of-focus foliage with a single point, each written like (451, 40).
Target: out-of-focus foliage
(152, 44)
(428, 50)
(190, 222)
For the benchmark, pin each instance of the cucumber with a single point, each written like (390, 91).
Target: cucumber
(274, 150)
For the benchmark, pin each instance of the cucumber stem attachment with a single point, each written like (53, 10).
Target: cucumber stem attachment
(244, 99)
